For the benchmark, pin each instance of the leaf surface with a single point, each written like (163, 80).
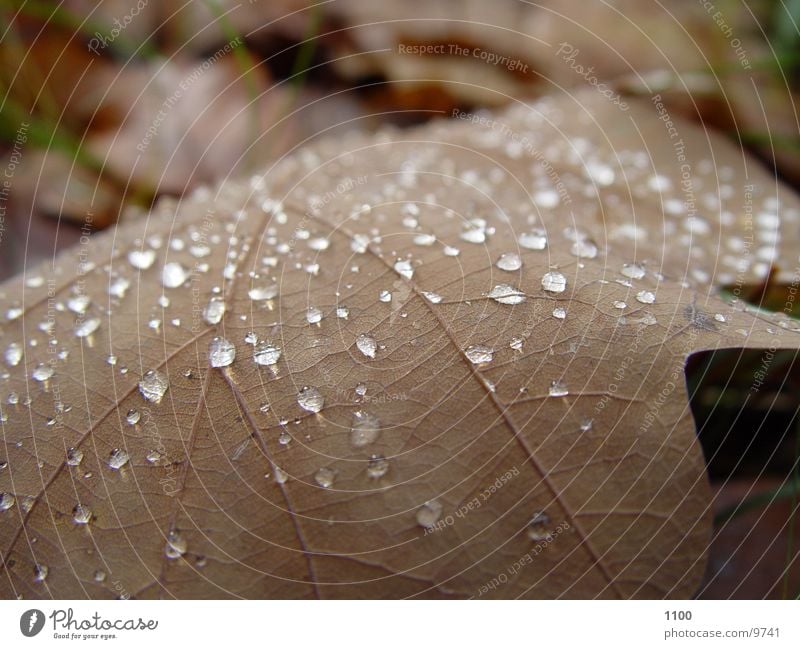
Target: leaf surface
(543, 448)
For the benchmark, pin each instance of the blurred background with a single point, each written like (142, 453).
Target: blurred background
(109, 105)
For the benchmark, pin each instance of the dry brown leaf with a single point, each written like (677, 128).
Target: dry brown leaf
(581, 420)
(187, 122)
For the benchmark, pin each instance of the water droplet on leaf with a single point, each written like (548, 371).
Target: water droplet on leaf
(534, 240)
(554, 282)
(646, 297)
(310, 399)
(558, 389)
(479, 354)
(429, 514)
(377, 467)
(265, 353)
(118, 458)
(82, 515)
(364, 429)
(173, 275)
(366, 345)
(86, 328)
(325, 477)
(153, 386)
(141, 259)
(221, 352)
(509, 261)
(505, 294)
(74, 456)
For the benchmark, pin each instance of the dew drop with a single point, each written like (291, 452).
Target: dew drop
(141, 259)
(479, 354)
(82, 515)
(424, 239)
(313, 315)
(516, 343)
(554, 282)
(586, 424)
(365, 429)
(176, 545)
(42, 373)
(404, 268)
(377, 467)
(199, 251)
(450, 251)
(7, 501)
(74, 456)
(600, 173)
(86, 328)
(584, 248)
(118, 458)
(342, 312)
(647, 319)
(505, 294)
(385, 296)
(13, 354)
(153, 457)
(214, 310)
(173, 275)
(558, 389)
(221, 352)
(619, 304)
(261, 293)
(659, 183)
(509, 261)
(560, 313)
(538, 527)
(366, 345)
(13, 313)
(310, 399)
(100, 576)
(433, 298)
(646, 297)
(119, 287)
(319, 244)
(78, 303)
(280, 475)
(534, 240)
(153, 386)
(429, 514)
(265, 353)
(546, 198)
(633, 271)
(359, 243)
(719, 317)
(133, 416)
(325, 477)
(40, 572)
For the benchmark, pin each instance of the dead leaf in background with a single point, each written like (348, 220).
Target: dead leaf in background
(184, 123)
(382, 419)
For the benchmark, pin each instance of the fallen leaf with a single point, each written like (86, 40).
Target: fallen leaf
(187, 122)
(459, 369)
